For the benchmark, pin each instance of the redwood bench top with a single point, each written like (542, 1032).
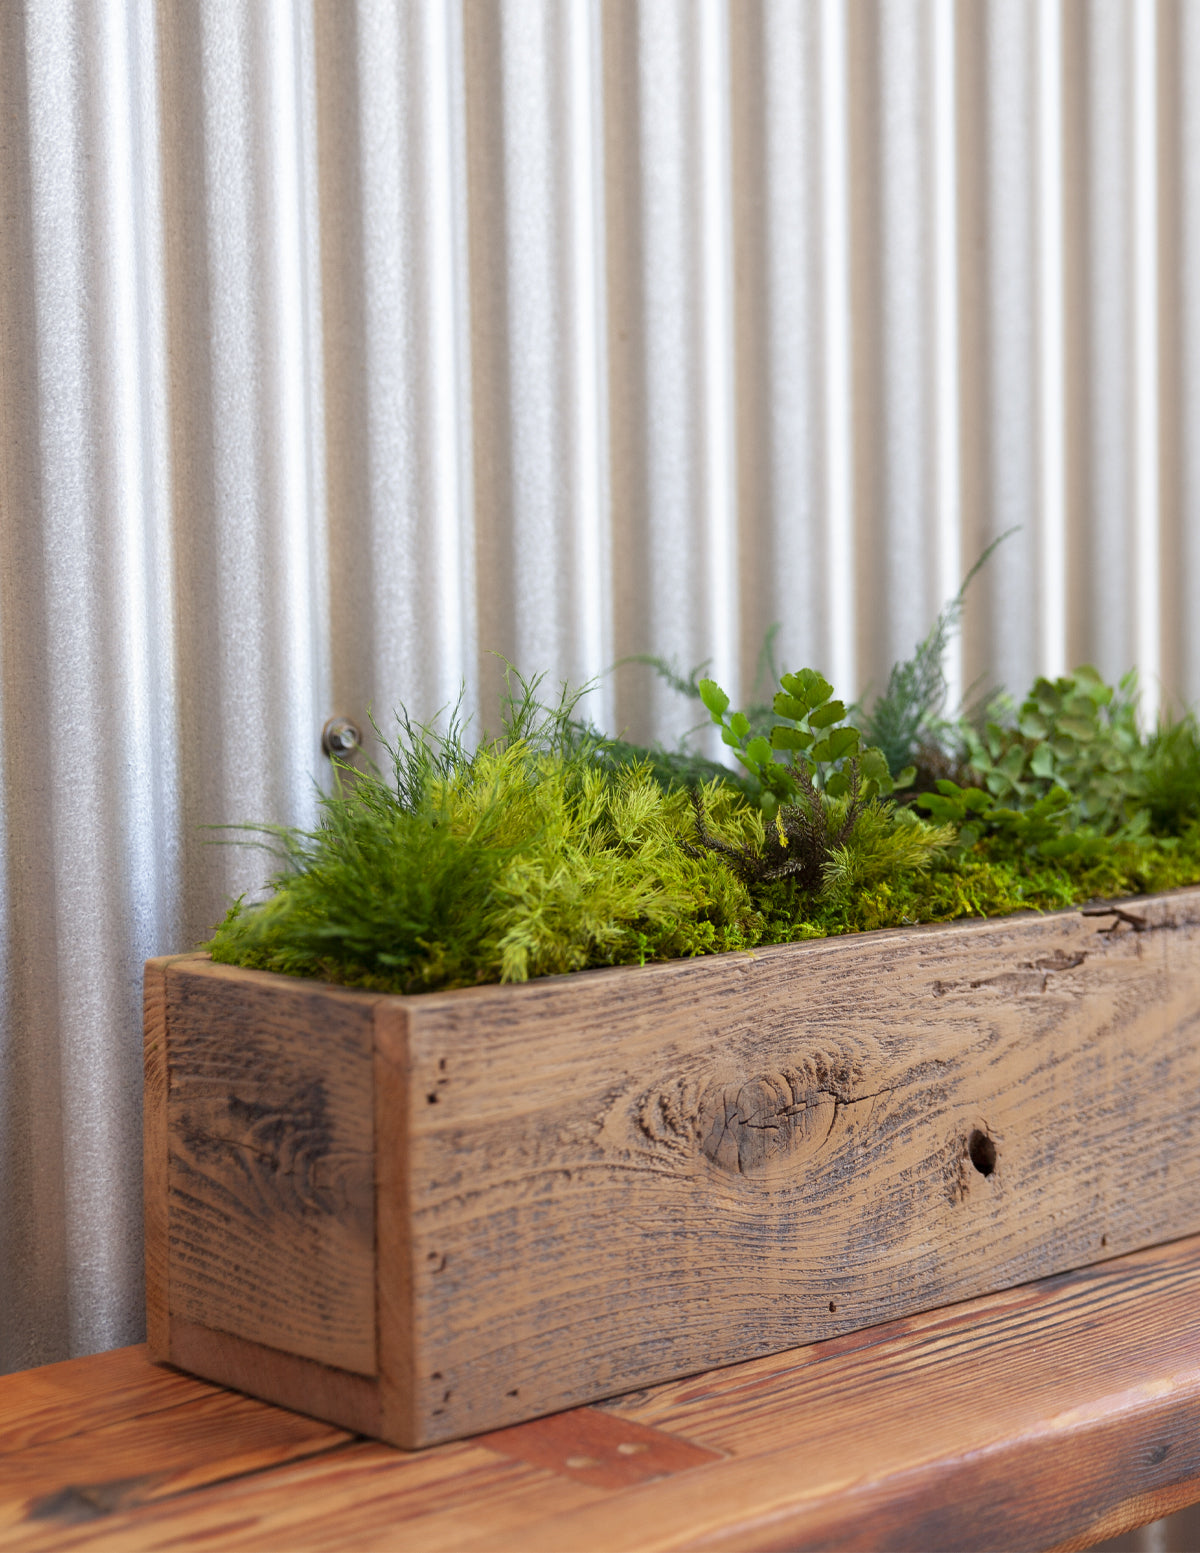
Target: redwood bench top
(1053, 1415)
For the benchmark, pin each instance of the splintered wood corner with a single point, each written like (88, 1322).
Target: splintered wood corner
(1053, 1415)
(428, 1217)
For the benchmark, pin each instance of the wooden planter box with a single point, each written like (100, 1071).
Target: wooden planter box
(425, 1217)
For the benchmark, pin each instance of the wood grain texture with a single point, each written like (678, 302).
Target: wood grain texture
(608, 1450)
(1051, 1415)
(271, 1162)
(1057, 1414)
(76, 1396)
(340, 1396)
(90, 1438)
(393, 1238)
(594, 1182)
(627, 1175)
(154, 1150)
(364, 1497)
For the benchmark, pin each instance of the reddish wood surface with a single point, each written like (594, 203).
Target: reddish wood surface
(83, 1441)
(1050, 1416)
(597, 1446)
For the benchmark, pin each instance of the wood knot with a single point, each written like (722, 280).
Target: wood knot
(765, 1122)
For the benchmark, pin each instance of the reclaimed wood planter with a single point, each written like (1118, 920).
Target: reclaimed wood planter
(426, 1217)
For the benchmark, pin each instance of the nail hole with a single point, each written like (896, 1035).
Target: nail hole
(832, 1307)
(447, 1394)
(516, 1392)
(431, 1099)
(437, 1375)
(982, 1151)
(1104, 1240)
(441, 1064)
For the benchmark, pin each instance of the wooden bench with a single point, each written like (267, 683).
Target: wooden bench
(1054, 1415)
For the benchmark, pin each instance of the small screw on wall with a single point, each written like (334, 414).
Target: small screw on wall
(340, 737)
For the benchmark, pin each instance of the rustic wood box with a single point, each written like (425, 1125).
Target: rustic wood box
(425, 1217)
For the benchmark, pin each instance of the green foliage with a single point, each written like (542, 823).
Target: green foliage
(907, 718)
(810, 745)
(523, 858)
(551, 849)
(682, 768)
(886, 844)
(799, 841)
(978, 884)
(816, 784)
(1169, 781)
(1043, 827)
(1074, 733)
(1069, 784)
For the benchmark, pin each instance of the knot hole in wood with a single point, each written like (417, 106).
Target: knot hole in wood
(769, 1120)
(981, 1150)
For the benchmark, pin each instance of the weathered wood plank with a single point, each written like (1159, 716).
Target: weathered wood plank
(123, 1460)
(627, 1175)
(606, 1449)
(271, 1165)
(339, 1396)
(364, 1497)
(154, 1151)
(56, 1401)
(1062, 1413)
(393, 1239)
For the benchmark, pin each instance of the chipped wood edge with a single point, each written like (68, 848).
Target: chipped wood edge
(286, 1379)
(393, 1229)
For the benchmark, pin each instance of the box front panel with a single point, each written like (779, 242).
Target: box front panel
(270, 1171)
(626, 1176)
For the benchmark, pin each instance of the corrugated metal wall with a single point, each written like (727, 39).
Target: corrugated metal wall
(345, 341)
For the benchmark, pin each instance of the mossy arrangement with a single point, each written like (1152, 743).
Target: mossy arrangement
(552, 848)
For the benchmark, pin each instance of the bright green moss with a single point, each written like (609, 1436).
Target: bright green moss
(540, 853)
(976, 885)
(524, 864)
